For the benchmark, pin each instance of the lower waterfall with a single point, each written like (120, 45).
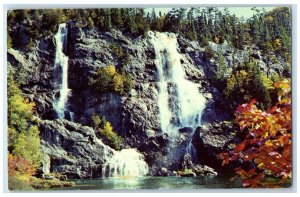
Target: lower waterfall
(124, 163)
(173, 85)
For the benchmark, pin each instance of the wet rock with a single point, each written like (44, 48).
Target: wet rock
(186, 130)
(212, 139)
(164, 171)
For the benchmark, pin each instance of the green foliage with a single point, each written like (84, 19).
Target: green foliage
(90, 22)
(9, 42)
(187, 171)
(106, 132)
(51, 19)
(247, 82)
(117, 50)
(208, 53)
(27, 145)
(23, 134)
(128, 82)
(32, 24)
(274, 77)
(117, 19)
(221, 70)
(264, 29)
(19, 109)
(97, 121)
(16, 183)
(108, 79)
(38, 184)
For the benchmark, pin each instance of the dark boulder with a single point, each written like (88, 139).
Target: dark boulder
(212, 139)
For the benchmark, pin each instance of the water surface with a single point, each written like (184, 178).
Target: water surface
(158, 183)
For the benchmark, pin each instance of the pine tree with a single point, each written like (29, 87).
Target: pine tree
(116, 18)
(107, 23)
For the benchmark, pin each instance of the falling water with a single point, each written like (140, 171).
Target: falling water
(61, 60)
(123, 163)
(190, 103)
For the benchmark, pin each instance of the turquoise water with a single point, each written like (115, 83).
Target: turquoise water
(157, 183)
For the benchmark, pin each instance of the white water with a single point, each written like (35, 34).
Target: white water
(123, 163)
(62, 60)
(189, 100)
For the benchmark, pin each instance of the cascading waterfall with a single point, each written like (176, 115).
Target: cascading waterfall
(123, 163)
(61, 60)
(190, 103)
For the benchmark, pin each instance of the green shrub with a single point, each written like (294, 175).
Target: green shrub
(106, 132)
(109, 80)
(17, 184)
(117, 50)
(27, 145)
(248, 83)
(221, 69)
(208, 53)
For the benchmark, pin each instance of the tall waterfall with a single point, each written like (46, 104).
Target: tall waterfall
(188, 101)
(124, 163)
(61, 60)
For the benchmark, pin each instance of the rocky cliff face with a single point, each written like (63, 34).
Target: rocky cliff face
(74, 149)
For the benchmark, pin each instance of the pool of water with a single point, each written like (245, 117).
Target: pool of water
(157, 183)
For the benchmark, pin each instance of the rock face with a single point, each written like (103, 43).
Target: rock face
(135, 114)
(212, 139)
(36, 70)
(72, 149)
(164, 153)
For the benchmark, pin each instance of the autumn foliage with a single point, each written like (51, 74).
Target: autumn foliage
(18, 166)
(266, 150)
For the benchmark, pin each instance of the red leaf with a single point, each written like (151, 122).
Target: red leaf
(241, 146)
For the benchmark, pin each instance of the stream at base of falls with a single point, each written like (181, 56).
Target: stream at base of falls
(157, 183)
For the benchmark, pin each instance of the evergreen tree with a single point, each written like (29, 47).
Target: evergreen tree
(116, 18)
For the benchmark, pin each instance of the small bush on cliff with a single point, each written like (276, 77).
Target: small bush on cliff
(106, 131)
(108, 79)
(117, 50)
(208, 53)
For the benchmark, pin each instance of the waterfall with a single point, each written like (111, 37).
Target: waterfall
(61, 60)
(123, 163)
(189, 103)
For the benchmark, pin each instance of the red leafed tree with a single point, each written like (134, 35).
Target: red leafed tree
(267, 145)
